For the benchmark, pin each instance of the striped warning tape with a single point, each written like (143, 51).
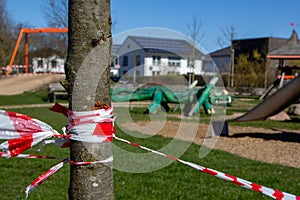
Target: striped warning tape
(43, 177)
(276, 194)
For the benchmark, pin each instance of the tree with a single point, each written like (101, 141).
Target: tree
(9, 32)
(228, 35)
(87, 80)
(196, 35)
(250, 70)
(56, 14)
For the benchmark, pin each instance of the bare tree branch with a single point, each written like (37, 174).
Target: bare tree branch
(56, 13)
(195, 29)
(229, 33)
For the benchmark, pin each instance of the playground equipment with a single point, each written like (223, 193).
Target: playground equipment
(289, 51)
(26, 31)
(161, 96)
(286, 94)
(275, 103)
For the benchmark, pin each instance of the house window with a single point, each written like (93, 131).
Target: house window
(125, 61)
(155, 73)
(53, 63)
(40, 63)
(137, 60)
(174, 62)
(156, 60)
(115, 63)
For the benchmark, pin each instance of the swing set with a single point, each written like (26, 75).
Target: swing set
(26, 31)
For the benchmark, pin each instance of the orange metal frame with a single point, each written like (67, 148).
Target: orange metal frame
(26, 31)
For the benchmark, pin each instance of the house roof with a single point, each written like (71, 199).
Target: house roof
(221, 52)
(163, 45)
(114, 48)
(291, 50)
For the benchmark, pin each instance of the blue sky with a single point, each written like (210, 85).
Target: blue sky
(250, 18)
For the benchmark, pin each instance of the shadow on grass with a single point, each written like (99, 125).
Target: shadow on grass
(282, 136)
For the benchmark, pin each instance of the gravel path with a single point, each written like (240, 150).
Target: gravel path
(272, 146)
(24, 83)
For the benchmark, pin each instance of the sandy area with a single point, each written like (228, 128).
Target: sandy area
(24, 83)
(272, 146)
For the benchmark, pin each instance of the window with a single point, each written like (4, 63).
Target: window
(53, 63)
(174, 61)
(137, 60)
(156, 60)
(155, 73)
(40, 63)
(125, 61)
(116, 61)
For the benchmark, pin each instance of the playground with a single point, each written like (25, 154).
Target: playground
(267, 141)
(264, 152)
(271, 146)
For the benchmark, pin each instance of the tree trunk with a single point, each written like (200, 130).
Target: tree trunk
(87, 80)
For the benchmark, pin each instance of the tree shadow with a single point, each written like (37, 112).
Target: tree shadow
(282, 136)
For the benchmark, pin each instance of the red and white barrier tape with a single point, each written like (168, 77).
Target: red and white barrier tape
(43, 177)
(92, 126)
(275, 194)
(22, 131)
(100, 121)
(55, 168)
(14, 67)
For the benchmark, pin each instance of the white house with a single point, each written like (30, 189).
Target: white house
(148, 56)
(52, 64)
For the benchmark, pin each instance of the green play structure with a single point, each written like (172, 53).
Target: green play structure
(160, 95)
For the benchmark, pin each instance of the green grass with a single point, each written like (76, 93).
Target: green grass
(178, 181)
(37, 97)
(175, 181)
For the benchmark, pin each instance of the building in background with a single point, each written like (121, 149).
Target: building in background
(52, 64)
(149, 56)
(221, 59)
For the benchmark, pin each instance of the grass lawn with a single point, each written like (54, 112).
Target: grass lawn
(175, 181)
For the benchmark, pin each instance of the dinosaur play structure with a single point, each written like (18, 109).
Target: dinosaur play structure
(160, 95)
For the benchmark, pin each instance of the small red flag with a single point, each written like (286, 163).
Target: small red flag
(292, 24)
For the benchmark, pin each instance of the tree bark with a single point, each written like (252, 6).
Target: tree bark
(87, 80)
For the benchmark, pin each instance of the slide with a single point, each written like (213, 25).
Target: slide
(274, 104)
